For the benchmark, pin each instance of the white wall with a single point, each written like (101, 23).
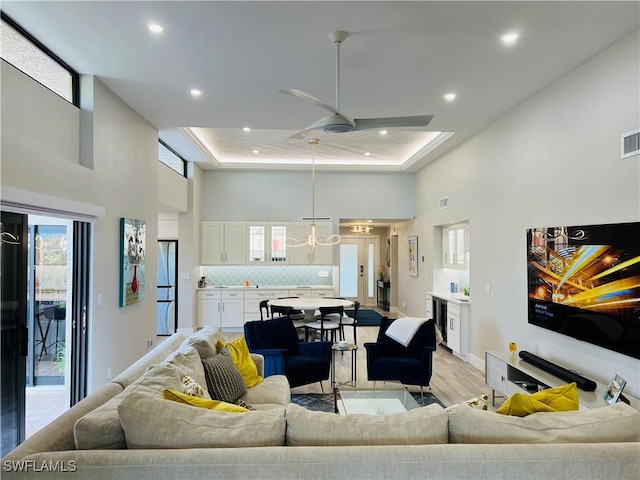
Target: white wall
(123, 181)
(554, 160)
(286, 196)
(172, 189)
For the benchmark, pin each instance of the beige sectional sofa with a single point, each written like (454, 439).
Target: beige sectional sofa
(125, 429)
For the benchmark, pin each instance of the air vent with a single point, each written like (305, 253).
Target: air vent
(630, 143)
(444, 202)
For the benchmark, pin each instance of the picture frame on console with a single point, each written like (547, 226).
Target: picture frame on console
(614, 389)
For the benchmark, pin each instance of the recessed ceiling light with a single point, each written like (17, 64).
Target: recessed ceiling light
(246, 129)
(255, 151)
(155, 28)
(509, 38)
(195, 92)
(366, 154)
(383, 132)
(449, 97)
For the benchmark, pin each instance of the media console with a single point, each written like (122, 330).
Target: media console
(507, 374)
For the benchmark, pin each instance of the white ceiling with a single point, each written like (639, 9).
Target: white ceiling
(400, 59)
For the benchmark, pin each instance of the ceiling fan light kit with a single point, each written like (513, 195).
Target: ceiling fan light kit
(338, 122)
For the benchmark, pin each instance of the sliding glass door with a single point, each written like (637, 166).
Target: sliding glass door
(13, 293)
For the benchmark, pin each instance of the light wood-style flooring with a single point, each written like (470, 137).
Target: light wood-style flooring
(453, 380)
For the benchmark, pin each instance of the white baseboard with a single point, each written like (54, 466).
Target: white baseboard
(476, 361)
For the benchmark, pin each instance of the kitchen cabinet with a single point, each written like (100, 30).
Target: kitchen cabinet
(252, 299)
(455, 246)
(451, 316)
(322, 254)
(232, 310)
(223, 243)
(454, 326)
(221, 308)
(209, 308)
(324, 292)
(267, 243)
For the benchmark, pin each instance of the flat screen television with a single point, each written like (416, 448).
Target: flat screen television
(584, 282)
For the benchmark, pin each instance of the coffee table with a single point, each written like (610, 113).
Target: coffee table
(375, 401)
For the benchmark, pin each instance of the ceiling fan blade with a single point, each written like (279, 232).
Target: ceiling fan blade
(301, 134)
(309, 98)
(388, 122)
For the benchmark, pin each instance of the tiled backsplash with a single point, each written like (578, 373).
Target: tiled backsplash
(282, 275)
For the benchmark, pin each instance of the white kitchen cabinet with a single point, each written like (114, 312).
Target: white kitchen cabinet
(267, 243)
(455, 246)
(221, 308)
(322, 254)
(454, 327)
(232, 310)
(322, 292)
(252, 299)
(451, 316)
(300, 293)
(209, 308)
(223, 243)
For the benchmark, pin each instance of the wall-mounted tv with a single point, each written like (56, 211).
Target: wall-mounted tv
(584, 282)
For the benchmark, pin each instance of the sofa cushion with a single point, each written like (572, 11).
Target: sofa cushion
(176, 396)
(155, 356)
(223, 378)
(149, 421)
(272, 390)
(204, 341)
(420, 426)
(615, 423)
(481, 402)
(100, 429)
(559, 399)
(187, 359)
(191, 387)
(241, 357)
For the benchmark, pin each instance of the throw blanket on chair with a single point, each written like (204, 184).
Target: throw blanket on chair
(403, 329)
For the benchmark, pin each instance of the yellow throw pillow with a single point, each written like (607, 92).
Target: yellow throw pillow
(176, 396)
(241, 357)
(558, 399)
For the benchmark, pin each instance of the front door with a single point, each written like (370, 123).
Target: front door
(358, 266)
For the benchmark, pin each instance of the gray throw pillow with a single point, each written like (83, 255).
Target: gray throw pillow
(224, 380)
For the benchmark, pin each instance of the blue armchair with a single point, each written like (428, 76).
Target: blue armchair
(411, 365)
(277, 340)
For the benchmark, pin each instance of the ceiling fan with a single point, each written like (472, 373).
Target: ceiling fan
(338, 122)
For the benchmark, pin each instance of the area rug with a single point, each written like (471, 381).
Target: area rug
(366, 318)
(323, 402)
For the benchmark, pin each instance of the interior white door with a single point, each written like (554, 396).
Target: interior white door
(358, 267)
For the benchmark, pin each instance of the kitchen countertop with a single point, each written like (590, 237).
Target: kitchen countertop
(266, 287)
(452, 297)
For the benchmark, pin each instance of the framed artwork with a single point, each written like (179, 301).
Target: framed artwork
(614, 389)
(413, 256)
(132, 256)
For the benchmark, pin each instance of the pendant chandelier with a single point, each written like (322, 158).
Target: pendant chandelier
(312, 240)
(361, 229)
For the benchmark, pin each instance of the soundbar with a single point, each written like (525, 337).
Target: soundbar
(583, 383)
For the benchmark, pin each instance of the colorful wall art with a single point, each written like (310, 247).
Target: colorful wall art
(413, 256)
(132, 256)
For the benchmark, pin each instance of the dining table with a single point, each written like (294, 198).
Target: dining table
(310, 305)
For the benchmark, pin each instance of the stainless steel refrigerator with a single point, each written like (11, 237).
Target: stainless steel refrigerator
(166, 309)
